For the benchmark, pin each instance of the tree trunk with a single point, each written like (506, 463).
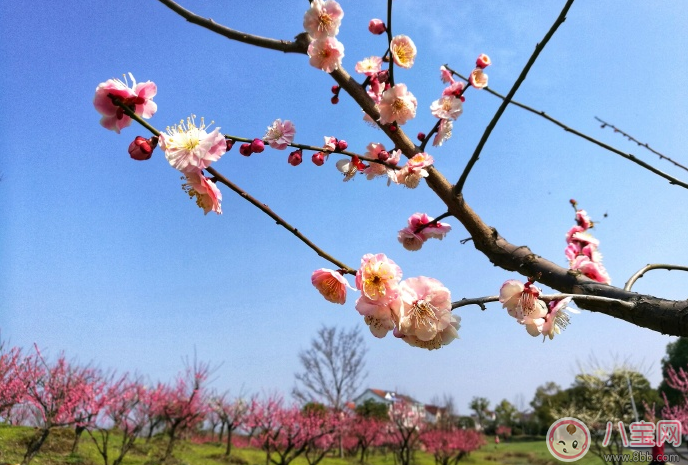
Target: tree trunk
(229, 442)
(35, 446)
(78, 431)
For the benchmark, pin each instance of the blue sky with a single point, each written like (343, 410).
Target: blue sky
(107, 259)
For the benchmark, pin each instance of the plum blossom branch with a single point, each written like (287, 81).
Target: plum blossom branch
(261, 206)
(628, 156)
(481, 301)
(300, 45)
(656, 266)
(458, 188)
(323, 149)
(641, 144)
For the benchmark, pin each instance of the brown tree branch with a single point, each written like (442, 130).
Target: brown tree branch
(627, 156)
(657, 266)
(481, 301)
(641, 144)
(300, 45)
(458, 188)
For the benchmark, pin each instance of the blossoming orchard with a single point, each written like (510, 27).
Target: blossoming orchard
(415, 307)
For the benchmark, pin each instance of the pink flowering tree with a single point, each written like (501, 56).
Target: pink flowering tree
(56, 395)
(232, 415)
(13, 379)
(182, 404)
(450, 446)
(364, 433)
(417, 310)
(121, 420)
(404, 430)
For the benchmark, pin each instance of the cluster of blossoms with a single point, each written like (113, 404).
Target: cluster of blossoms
(522, 302)
(321, 22)
(413, 239)
(417, 310)
(450, 105)
(188, 148)
(581, 249)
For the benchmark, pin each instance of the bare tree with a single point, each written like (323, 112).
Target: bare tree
(332, 367)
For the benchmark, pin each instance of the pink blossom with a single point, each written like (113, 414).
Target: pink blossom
(425, 309)
(446, 75)
(397, 104)
(444, 132)
(323, 19)
(443, 337)
(414, 170)
(330, 143)
(410, 240)
(208, 196)
(583, 219)
(521, 301)
(435, 231)
(403, 51)
(137, 97)
(483, 61)
(375, 90)
(331, 284)
(279, 135)
(369, 66)
(447, 107)
(326, 54)
(378, 169)
(189, 147)
(376, 26)
(593, 270)
(556, 319)
(455, 89)
(380, 317)
(478, 78)
(348, 167)
(378, 278)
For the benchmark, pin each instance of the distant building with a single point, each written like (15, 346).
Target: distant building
(407, 406)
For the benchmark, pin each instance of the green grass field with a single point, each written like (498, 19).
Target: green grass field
(56, 450)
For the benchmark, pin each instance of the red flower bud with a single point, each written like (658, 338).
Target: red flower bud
(318, 158)
(142, 148)
(376, 26)
(383, 155)
(383, 76)
(342, 145)
(245, 150)
(295, 158)
(421, 136)
(230, 144)
(334, 100)
(335, 89)
(257, 146)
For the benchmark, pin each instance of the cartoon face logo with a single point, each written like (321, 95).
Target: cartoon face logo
(568, 439)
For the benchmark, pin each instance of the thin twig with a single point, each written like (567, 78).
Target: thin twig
(481, 301)
(261, 206)
(458, 188)
(300, 45)
(656, 266)
(641, 144)
(627, 156)
(324, 150)
(389, 41)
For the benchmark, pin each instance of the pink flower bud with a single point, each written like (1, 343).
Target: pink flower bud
(295, 158)
(342, 145)
(245, 150)
(421, 136)
(142, 148)
(318, 158)
(230, 144)
(383, 155)
(335, 89)
(376, 26)
(483, 61)
(257, 146)
(334, 100)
